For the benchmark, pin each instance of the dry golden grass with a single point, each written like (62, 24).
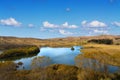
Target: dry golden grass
(109, 54)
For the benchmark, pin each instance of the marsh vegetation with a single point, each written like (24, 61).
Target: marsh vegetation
(18, 53)
(54, 72)
(109, 54)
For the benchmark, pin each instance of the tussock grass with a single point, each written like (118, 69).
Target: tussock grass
(109, 54)
(19, 52)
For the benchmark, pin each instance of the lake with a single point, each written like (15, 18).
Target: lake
(60, 55)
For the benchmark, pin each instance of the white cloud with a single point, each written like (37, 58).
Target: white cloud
(30, 25)
(116, 23)
(63, 32)
(94, 23)
(49, 25)
(10, 22)
(97, 24)
(66, 25)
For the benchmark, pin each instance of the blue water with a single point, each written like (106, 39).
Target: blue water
(57, 56)
(61, 55)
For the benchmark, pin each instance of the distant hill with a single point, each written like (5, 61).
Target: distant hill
(11, 42)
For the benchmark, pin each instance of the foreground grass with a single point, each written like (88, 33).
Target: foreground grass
(53, 72)
(109, 54)
(19, 52)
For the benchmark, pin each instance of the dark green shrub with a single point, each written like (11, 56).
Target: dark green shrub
(72, 48)
(101, 41)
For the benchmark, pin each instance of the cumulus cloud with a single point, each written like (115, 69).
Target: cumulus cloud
(10, 22)
(66, 25)
(94, 23)
(49, 25)
(63, 32)
(97, 24)
(116, 23)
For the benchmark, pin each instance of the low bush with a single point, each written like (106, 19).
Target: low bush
(101, 41)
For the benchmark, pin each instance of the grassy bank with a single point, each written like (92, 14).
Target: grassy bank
(19, 52)
(109, 54)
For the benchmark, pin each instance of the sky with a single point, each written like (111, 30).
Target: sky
(59, 18)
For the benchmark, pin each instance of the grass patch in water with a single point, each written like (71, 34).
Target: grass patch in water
(17, 53)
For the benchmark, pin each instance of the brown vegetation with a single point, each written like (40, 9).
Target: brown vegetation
(109, 54)
(19, 52)
(53, 72)
(88, 67)
(12, 42)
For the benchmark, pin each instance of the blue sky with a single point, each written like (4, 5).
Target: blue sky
(59, 18)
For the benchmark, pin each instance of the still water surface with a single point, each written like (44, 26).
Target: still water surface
(57, 56)
(61, 55)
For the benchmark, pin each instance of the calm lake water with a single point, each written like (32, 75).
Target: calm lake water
(57, 56)
(60, 55)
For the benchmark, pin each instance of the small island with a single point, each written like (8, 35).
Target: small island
(72, 48)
